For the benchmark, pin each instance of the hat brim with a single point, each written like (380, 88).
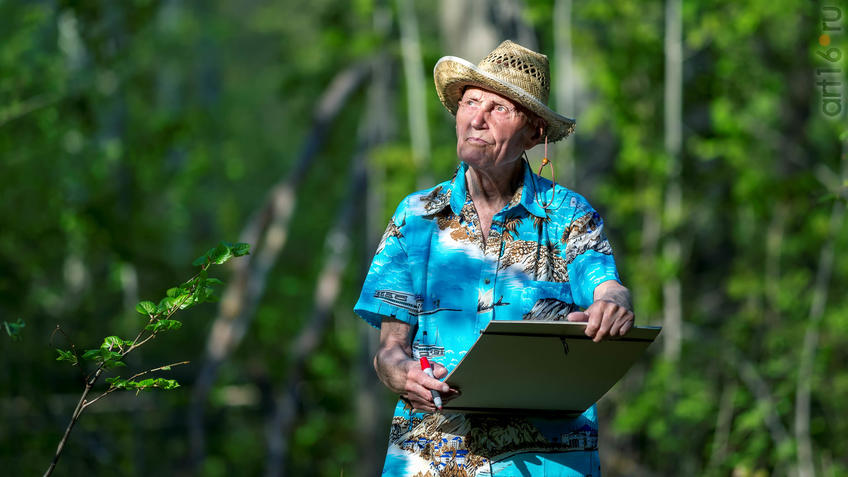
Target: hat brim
(451, 74)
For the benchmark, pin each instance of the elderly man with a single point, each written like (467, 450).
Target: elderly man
(497, 242)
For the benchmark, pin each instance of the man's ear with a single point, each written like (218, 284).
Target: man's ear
(536, 136)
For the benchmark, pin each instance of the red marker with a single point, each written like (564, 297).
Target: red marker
(428, 370)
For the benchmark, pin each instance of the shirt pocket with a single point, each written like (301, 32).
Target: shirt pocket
(546, 301)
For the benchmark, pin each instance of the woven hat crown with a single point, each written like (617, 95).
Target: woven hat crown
(520, 66)
(510, 70)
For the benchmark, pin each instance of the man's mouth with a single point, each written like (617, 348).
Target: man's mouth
(477, 141)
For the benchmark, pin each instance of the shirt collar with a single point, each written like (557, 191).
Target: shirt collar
(527, 197)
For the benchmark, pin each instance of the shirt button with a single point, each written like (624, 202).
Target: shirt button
(487, 281)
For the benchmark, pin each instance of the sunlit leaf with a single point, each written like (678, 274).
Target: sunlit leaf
(146, 308)
(68, 356)
(221, 254)
(240, 249)
(164, 325)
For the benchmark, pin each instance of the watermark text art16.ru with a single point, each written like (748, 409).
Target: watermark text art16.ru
(829, 77)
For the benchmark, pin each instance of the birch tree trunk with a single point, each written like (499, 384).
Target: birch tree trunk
(672, 301)
(337, 244)
(416, 103)
(564, 87)
(472, 28)
(509, 20)
(467, 29)
(266, 232)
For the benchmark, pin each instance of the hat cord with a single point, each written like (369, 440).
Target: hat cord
(547, 162)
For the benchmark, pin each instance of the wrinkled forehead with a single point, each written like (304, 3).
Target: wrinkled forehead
(483, 93)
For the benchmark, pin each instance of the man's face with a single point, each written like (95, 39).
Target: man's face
(491, 132)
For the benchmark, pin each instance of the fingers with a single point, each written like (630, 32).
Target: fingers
(419, 385)
(622, 324)
(611, 314)
(439, 371)
(417, 381)
(603, 324)
(626, 326)
(577, 316)
(428, 405)
(607, 319)
(596, 314)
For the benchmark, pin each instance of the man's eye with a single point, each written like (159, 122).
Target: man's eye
(501, 109)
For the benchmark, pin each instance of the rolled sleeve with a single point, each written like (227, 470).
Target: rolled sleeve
(590, 269)
(388, 285)
(593, 262)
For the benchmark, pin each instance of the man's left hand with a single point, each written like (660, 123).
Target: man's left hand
(610, 315)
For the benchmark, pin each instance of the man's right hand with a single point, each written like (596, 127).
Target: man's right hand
(402, 374)
(418, 385)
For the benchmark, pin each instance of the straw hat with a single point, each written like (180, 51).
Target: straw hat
(510, 70)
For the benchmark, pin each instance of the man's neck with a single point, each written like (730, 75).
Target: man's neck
(493, 189)
(490, 193)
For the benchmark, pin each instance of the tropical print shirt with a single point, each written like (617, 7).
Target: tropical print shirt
(433, 270)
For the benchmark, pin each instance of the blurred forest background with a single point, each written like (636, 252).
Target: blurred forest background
(135, 135)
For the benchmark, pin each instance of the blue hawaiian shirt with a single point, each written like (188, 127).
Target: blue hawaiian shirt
(434, 271)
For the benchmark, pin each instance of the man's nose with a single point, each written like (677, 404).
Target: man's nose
(479, 120)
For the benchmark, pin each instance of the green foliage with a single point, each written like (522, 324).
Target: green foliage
(220, 254)
(13, 330)
(66, 355)
(104, 357)
(146, 308)
(113, 349)
(163, 325)
(138, 386)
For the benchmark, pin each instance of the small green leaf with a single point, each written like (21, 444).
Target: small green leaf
(205, 295)
(120, 383)
(161, 383)
(167, 383)
(146, 308)
(185, 301)
(102, 355)
(112, 342)
(221, 254)
(201, 260)
(164, 325)
(240, 249)
(14, 329)
(214, 281)
(165, 368)
(167, 303)
(68, 356)
(113, 363)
